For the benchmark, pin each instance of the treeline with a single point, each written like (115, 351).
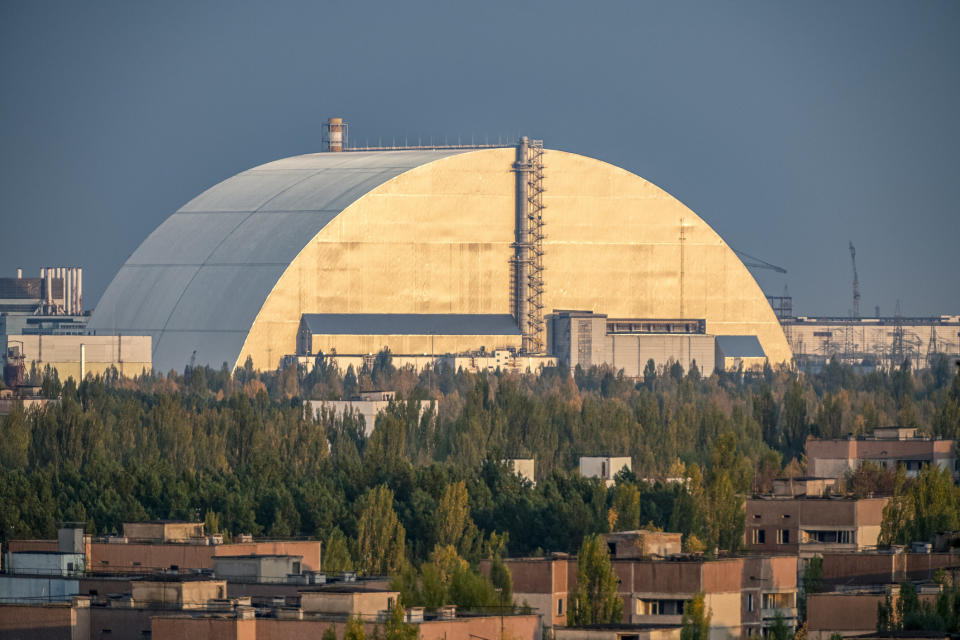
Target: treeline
(240, 451)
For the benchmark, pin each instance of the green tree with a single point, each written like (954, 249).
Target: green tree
(502, 581)
(330, 633)
(812, 582)
(381, 538)
(336, 557)
(696, 619)
(354, 629)
(397, 628)
(779, 630)
(596, 600)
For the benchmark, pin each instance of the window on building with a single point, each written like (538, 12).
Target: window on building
(749, 602)
(783, 536)
(559, 606)
(759, 536)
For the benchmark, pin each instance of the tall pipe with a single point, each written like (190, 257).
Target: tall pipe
(335, 134)
(19, 273)
(79, 290)
(522, 244)
(67, 287)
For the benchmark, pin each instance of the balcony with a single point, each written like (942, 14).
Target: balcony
(663, 619)
(768, 615)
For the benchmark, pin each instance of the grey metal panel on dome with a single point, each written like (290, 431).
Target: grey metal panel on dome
(198, 281)
(740, 346)
(424, 324)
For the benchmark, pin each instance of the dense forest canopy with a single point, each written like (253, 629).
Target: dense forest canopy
(240, 451)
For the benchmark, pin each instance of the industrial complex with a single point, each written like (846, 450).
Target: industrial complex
(483, 257)
(430, 252)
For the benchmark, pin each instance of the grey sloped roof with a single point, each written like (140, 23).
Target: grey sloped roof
(198, 281)
(422, 324)
(740, 347)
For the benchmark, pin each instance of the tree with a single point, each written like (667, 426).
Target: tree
(812, 582)
(920, 508)
(381, 539)
(453, 515)
(336, 557)
(330, 633)
(502, 581)
(596, 600)
(397, 628)
(354, 629)
(779, 630)
(696, 619)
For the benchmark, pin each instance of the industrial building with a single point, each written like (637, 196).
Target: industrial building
(882, 342)
(427, 252)
(42, 323)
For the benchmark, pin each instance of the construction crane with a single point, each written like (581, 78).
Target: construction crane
(752, 262)
(856, 282)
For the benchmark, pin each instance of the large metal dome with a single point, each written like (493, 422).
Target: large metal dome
(198, 281)
(231, 274)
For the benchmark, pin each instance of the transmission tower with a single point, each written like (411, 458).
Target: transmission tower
(856, 282)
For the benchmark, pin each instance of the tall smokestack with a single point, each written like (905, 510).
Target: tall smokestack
(67, 286)
(336, 134)
(19, 273)
(79, 290)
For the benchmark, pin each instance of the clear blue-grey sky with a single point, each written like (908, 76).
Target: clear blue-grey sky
(791, 127)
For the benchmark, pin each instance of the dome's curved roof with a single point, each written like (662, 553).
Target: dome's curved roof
(198, 281)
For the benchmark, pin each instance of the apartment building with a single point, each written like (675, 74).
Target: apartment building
(808, 526)
(889, 447)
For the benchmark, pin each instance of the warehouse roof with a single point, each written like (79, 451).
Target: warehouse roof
(440, 324)
(203, 275)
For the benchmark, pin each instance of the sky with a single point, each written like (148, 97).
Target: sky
(792, 128)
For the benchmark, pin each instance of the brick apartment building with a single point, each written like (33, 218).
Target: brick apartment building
(743, 593)
(808, 526)
(888, 446)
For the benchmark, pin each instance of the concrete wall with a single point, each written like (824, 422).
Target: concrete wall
(309, 550)
(603, 467)
(261, 568)
(61, 621)
(44, 563)
(353, 603)
(34, 588)
(131, 355)
(186, 594)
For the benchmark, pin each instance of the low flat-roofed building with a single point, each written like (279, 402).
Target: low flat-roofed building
(68, 620)
(735, 353)
(883, 566)
(30, 588)
(258, 568)
(368, 405)
(619, 632)
(345, 599)
(642, 543)
(407, 333)
(44, 563)
(177, 591)
(586, 339)
(804, 487)
(75, 356)
(745, 593)
(605, 468)
(162, 531)
(812, 526)
(523, 467)
(889, 447)
(244, 626)
(852, 612)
